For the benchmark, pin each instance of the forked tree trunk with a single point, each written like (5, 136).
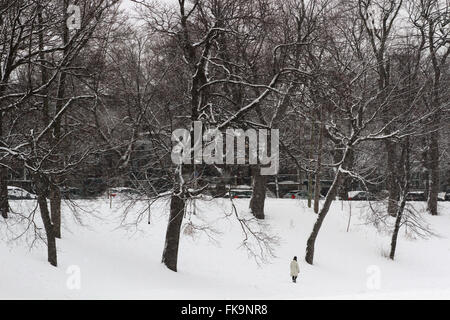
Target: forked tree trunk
(170, 253)
(55, 194)
(51, 240)
(259, 193)
(41, 188)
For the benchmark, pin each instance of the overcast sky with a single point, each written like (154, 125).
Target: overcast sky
(129, 5)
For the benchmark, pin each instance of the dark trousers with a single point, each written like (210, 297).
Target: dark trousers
(294, 278)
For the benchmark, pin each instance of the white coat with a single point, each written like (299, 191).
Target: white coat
(295, 270)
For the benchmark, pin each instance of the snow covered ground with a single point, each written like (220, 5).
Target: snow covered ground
(116, 262)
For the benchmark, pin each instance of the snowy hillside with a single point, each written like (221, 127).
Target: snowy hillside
(124, 262)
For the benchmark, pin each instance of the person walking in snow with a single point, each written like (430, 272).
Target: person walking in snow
(295, 270)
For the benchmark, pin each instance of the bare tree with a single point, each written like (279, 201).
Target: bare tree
(431, 19)
(378, 18)
(35, 144)
(222, 92)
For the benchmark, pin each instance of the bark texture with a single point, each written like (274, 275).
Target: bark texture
(55, 208)
(4, 206)
(318, 170)
(310, 244)
(170, 254)
(42, 186)
(434, 174)
(404, 184)
(259, 193)
(391, 180)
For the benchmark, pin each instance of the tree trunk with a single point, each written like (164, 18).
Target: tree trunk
(170, 254)
(55, 194)
(318, 169)
(259, 193)
(346, 184)
(41, 188)
(426, 178)
(321, 216)
(310, 175)
(398, 221)
(434, 174)
(55, 208)
(391, 180)
(438, 63)
(326, 206)
(4, 206)
(405, 160)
